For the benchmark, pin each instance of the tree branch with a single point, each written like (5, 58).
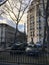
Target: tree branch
(9, 14)
(24, 10)
(3, 2)
(19, 10)
(12, 9)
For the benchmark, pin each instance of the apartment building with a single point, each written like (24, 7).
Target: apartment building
(35, 22)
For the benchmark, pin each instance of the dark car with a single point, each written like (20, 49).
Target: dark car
(18, 48)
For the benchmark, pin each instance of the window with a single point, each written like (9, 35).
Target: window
(39, 34)
(31, 3)
(31, 22)
(31, 18)
(30, 28)
(33, 28)
(39, 27)
(37, 10)
(33, 33)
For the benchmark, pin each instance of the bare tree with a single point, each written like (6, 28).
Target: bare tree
(45, 17)
(46, 27)
(16, 9)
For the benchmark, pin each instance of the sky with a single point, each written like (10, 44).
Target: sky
(11, 23)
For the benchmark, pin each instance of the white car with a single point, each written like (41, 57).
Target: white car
(32, 51)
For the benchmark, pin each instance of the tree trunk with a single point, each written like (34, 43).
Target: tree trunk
(44, 16)
(15, 37)
(46, 23)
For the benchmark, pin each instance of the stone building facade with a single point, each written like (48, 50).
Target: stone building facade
(35, 22)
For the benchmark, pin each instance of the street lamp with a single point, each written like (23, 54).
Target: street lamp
(3, 2)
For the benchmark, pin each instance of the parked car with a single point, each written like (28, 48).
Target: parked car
(18, 48)
(32, 51)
